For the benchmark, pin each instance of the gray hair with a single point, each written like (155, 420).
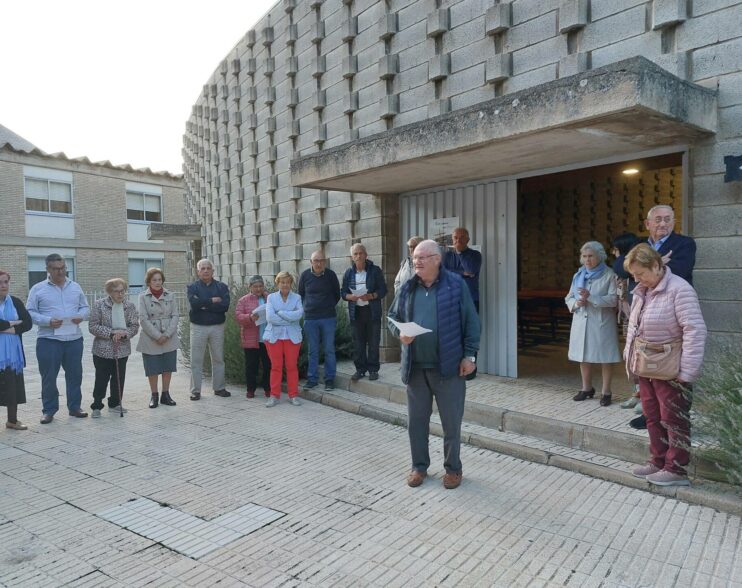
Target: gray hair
(53, 257)
(255, 280)
(203, 262)
(356, 246)
(596, 248)
(654, 208)
(414, 241)
(429, 246)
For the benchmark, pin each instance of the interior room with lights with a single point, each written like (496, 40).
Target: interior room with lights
(557, 214)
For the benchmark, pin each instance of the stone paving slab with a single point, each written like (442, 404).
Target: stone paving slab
(350, 518)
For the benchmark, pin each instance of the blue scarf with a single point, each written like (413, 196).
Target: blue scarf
(11, 351)
(583, 275)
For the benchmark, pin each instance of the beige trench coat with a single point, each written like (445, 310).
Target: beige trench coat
(158, 317)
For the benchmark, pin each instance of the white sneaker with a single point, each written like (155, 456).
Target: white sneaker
(95, 414)
(295, 401)
(116, 409)
(271, 402)
(638, 408)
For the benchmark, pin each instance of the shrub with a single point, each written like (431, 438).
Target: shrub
(234, 359)
(719, 406)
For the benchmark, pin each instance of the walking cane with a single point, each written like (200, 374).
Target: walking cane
(118, 377)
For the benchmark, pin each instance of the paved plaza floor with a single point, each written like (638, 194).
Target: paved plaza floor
(225, 492)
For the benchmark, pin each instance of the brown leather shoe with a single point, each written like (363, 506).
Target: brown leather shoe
(415, 478)
(46, 419)
(80, 414)
(451, 480)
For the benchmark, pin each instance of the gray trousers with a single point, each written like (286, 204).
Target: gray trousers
(449, 394)
(203, 336)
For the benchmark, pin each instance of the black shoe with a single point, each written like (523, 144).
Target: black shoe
(80, 414)
(605, 400)
(357, 376)
(166, 399)
(154, 401)
(223, 393)
(310, 385)
(195, 395)
(583, 394)
(639, 422)
(329, 385)
(373, 375)
(46, 419)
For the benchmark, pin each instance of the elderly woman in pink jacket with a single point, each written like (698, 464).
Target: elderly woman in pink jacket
(251, 335)
(664, 314)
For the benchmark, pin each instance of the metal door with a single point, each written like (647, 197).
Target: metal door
(488, 211)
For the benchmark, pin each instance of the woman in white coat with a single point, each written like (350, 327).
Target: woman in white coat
(593, 338)
(158, 341)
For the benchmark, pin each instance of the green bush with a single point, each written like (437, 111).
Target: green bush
(719, 405)
(234, 358)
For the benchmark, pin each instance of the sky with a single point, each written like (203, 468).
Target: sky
(113, 80)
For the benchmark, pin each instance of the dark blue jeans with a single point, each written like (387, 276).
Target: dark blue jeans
(366, 339)
(316, 329)
(449, 394)
(51, 355)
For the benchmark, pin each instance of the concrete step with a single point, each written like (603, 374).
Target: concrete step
(531, 440)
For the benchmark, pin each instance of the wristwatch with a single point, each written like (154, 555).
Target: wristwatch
(472, 359)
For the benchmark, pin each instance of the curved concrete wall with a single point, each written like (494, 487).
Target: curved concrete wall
(313, 74)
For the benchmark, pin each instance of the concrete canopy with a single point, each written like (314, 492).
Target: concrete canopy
(623, 108)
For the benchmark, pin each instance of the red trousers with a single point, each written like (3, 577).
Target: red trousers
(667, 410)
(284, 353)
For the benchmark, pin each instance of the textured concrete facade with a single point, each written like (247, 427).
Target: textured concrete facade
(99, 238)
(314, 75)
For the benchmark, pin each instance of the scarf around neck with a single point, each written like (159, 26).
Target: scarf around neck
(583, 275)
(11, 350)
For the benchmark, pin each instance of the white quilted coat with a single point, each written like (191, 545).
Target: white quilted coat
(671, 312)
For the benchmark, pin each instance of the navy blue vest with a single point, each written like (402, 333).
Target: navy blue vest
(450, 329)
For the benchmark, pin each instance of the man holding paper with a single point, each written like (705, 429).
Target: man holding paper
(363, 288)
(58, 306)
(437, 304)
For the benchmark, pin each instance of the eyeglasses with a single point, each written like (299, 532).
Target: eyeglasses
(117, 291)
(319, 260)
(422, 258)
(57, 269)
(658, 219)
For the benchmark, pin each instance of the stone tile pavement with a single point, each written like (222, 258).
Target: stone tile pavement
(349, 519)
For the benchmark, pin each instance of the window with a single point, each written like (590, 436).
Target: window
(141, 206)
(48, 196)
(37, 269)
(137, 268)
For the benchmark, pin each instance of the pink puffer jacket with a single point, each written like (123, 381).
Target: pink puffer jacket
(671, 311)
(249, 331)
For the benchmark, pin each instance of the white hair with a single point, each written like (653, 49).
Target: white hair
(658, 206)
(358, 246)
(596, 248)
(203, 262)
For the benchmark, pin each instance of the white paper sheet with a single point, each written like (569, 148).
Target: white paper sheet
(67, 329)
(260, 311)
(409, 329)
(360, 292)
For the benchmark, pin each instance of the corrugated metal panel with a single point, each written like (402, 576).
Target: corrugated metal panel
(488, 210)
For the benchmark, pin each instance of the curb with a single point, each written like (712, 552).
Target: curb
(723, 500)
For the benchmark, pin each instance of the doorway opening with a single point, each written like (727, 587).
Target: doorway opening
(557, 214)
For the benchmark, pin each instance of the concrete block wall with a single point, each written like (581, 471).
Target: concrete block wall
(346, 69)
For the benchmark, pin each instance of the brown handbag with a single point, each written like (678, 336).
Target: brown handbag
(660, 361)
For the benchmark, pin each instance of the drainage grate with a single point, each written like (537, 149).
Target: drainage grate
(185, 533)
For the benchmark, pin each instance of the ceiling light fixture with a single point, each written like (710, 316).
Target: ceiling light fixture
(630, 171)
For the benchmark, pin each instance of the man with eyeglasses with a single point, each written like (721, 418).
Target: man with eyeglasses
(678, 251)
(58, 306)
(319, 289)
(435, 364)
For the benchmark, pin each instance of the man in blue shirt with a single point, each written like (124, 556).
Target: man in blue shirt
(209, 300)
(319, 289)
(58, 306)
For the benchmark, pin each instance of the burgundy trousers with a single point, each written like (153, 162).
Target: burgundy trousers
(667, 410)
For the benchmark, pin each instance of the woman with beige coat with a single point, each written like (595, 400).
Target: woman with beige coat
(158, 342)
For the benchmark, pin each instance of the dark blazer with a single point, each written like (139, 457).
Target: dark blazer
(24, 326)
(682, 260)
